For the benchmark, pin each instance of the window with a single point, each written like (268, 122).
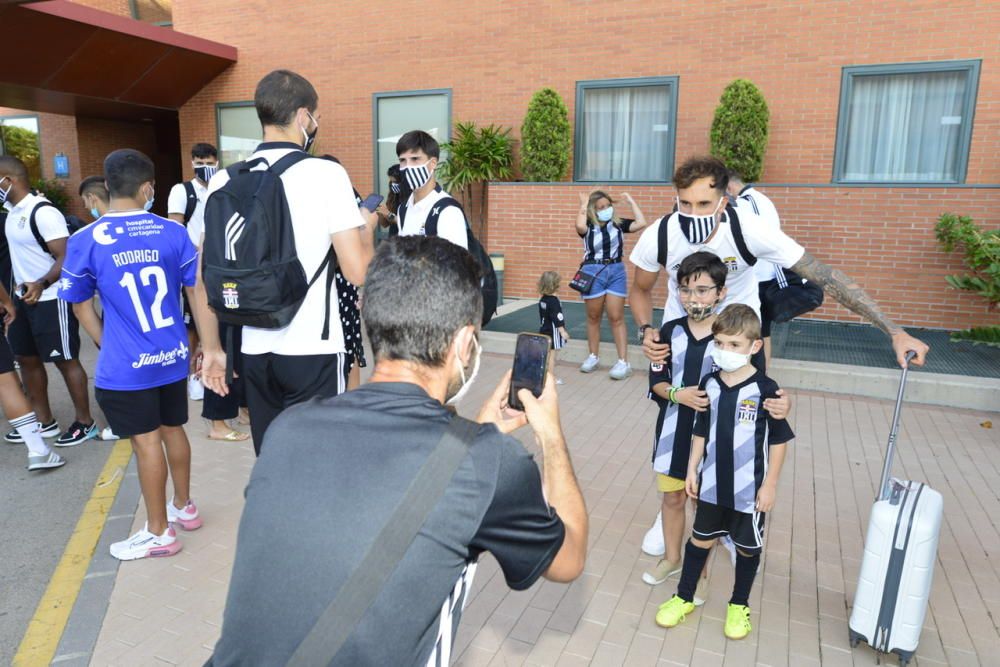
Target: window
(19, 137)
(397, 114)
(239, 131)
(625, 129)
(157, 12)
(906, 123)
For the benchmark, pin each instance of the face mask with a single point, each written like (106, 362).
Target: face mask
(5, 193)
(466, 383)
(94, 213)
(417, 176)
(149, 203)
(205, 171)
(699, 311)
(394, 187)
(697, 228)
(605, 215)
(729, 361)
(310, 137)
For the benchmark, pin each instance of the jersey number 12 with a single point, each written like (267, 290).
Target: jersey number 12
(147, 275)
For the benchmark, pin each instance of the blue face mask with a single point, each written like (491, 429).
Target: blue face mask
(94, 213)
(149, 203)
(606, 214)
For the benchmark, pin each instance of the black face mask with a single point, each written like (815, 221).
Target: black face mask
(394, 187)
(205, 172)
(310, 137)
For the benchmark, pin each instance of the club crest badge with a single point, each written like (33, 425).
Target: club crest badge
(747, 413)
(230, 296)
(731, 264)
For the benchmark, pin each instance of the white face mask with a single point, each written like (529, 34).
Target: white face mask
(729, 361)
(697, 228)
(466, 383)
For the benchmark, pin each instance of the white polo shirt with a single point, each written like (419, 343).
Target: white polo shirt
(762, 240)
(27, 258)
(764, 208)
(321, 203)
(177, 203)
(451, 222)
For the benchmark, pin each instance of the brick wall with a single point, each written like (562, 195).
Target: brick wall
(883, 238)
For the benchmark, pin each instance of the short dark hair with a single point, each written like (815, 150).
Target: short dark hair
(737, 319)
(95, 186)
(418, 140)
(280, 94)
(698, 263)
(696, 168)
(203, 150)
(125, 170)
(419, 292)
(14, 167)
(735, 177)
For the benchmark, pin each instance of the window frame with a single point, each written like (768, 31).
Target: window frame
(672, 82)
(219, 107)
(848, 74)
(447, 92)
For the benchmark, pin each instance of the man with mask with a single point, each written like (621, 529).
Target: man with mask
(306, 528)
(94, 195)
(418, 154)
(705, 220)
(282, 367)
(45, 329)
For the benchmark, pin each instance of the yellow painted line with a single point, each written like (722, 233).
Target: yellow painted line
(40, 641)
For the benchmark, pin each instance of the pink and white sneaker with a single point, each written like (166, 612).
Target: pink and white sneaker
(186, 517)
(145, 544)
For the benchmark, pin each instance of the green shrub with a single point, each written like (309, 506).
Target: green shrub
(982, 257)
(546, 138)
(53, 190)
(739, 129)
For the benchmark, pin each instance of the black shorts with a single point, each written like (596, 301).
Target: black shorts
(765, 317)
(47, 329)
(144, 410)
(745, 530)
(6, 356)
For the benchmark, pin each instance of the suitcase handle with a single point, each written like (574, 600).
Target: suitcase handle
(883, 493)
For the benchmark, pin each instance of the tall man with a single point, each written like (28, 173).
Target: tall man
(45, 329)
(705, 221)
(286, 366)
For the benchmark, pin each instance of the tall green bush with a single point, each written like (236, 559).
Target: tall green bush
(546, 138)
(982, 257)
(739, 129)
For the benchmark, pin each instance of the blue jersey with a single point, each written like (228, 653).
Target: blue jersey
(137, 263)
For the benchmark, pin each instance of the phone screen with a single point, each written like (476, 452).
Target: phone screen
(372, 201)
(531, 358)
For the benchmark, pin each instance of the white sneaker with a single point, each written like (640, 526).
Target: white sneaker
(559, 381)
(187, 517)
(590, 364)
(620, 370)
(45, 461)
(652, 543)
(146, 545)
(108, 434)
(196, 390)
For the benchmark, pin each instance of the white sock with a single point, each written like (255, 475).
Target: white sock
(31, 431)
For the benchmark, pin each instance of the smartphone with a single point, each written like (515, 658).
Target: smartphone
(531, 363)
(19, 290)
(372, 201)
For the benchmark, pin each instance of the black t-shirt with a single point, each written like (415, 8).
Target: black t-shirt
(550, 315)
(329, 478)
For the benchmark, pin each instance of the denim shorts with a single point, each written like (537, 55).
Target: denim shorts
(611, 280)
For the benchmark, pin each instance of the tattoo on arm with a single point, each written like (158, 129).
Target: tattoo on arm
(843, 288)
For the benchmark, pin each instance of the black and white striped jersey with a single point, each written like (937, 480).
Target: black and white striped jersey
(738, 432)
(602, 242)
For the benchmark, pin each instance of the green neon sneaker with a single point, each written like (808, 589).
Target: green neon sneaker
(673, 611)
(737, 621)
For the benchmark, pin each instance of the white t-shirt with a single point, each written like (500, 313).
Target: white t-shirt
(27, 258)
(321, 202)
(177, 203)
(763, 241)
(451, 222)
(764, 208)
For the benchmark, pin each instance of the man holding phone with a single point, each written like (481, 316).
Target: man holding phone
(364, 450)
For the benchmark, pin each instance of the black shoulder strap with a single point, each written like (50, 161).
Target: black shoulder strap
(191, 201)
(337, 622)
(34, 225)
(741, 244)
(661, 241)
(431, 224)
(401, 214)
(293, 158)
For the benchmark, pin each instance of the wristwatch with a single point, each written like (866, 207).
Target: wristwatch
(46, 283)
(642, 332)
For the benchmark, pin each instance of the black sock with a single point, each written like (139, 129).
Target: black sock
(694, 563)
(746, 572)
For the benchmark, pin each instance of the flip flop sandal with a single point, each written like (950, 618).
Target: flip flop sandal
(232, 436)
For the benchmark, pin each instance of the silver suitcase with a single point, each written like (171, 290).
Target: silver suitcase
(898, 563)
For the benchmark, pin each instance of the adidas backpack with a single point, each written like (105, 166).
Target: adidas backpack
(250, 266)
(488, 282)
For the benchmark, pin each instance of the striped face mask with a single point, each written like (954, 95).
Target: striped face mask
(416, 176)
(697, 228)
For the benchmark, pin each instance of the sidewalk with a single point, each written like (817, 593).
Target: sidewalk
(169, 611)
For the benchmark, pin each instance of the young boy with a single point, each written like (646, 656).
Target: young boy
(553, 324)
(418, 154)
(736, 458)
(137, 262)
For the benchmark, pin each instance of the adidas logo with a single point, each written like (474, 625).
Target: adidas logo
(55, 353)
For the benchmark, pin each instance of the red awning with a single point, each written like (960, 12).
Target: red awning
(66, 58)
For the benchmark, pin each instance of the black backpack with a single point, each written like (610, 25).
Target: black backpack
(191, 202)
(488, 283)
(73, 224)
(250, 265)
